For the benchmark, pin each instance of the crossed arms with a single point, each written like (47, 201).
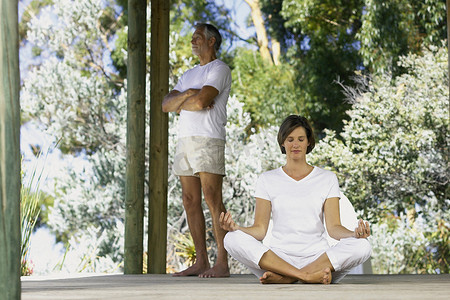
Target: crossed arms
(191, 99)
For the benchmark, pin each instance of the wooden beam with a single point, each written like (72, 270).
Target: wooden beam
(159, 77)
(9, 151)
(135, 171)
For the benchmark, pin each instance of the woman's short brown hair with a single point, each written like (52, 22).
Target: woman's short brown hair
(291, 123)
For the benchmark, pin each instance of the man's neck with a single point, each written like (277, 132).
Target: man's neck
(207, 58)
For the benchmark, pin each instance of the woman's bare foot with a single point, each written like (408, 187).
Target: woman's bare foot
(219, 270)
(323, 277)
(195, 270)
(271, 277)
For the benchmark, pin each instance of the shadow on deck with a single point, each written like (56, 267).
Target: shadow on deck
(236, 287)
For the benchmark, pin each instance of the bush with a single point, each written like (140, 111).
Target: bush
(391, 160)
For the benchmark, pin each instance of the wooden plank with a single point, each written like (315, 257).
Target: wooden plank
(159, 76)
(238, 286)
(9, 151)
(135, 172)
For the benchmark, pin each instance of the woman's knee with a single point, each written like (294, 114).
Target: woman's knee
(364, 249)
(230, 240)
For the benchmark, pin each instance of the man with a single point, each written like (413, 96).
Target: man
(200, 97)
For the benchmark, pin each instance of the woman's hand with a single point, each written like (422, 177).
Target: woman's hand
(363, 230)
(226, 222)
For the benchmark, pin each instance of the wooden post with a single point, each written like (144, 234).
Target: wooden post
(9, 151)
(135, 172)
(159, 76)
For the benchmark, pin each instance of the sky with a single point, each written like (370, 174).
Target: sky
(240, 12)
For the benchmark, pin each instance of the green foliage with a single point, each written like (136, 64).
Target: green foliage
(276, 22)
(29, 12)
(30, 198)
(118, 55)
(391, 160)
(317, 42)
(392, 153)
(319, 19)
(411, 245)
(391, 29)
(185, 248)
(326, 41)
(190, 12)
(269, 91)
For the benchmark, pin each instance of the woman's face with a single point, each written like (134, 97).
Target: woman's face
(296, 144)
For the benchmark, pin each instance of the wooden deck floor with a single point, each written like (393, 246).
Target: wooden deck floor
(359, 287)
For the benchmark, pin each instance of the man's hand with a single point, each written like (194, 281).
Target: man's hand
(201, 100)
(175, 99)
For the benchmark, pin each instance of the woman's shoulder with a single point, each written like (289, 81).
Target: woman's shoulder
(324, 172)
(271, 173)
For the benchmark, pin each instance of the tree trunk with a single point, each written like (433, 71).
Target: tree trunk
(159, 124)
(135, 171)
(9, 151)
(261, 33)
(276, 51)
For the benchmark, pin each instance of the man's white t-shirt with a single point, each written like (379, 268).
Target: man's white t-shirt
(297, 209)
(208, 122)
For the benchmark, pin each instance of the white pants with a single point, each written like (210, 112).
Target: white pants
(344, 256)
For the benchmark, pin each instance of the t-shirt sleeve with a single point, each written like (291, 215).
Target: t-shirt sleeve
(334, 187)
(179, 85)
(261, 188)
(219, 78)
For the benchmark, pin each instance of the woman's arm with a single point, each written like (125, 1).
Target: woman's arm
(333, 222)
(259, 228)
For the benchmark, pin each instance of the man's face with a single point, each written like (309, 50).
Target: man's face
(198, 42)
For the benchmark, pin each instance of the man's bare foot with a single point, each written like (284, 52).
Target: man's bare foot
(323, 277)
(195, 270)
(219, 270)
(271, 277)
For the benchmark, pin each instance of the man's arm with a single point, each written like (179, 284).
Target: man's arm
(173, 100)
(201, 100)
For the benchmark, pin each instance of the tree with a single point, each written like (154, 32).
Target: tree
(392, 152)
(391, 29)
(269, 92)
(261, 34)
(324, 42)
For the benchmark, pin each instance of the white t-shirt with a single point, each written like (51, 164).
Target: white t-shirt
(208, 122)
(297, 209)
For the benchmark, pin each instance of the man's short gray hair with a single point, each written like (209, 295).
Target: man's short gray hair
(211, 31)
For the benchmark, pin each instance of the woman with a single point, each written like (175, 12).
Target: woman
(298, 196)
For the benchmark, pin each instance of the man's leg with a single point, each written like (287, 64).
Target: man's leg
(192, 202)
(212, 191)
(280, 271)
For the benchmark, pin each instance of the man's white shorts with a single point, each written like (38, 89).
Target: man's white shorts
(197, 154)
